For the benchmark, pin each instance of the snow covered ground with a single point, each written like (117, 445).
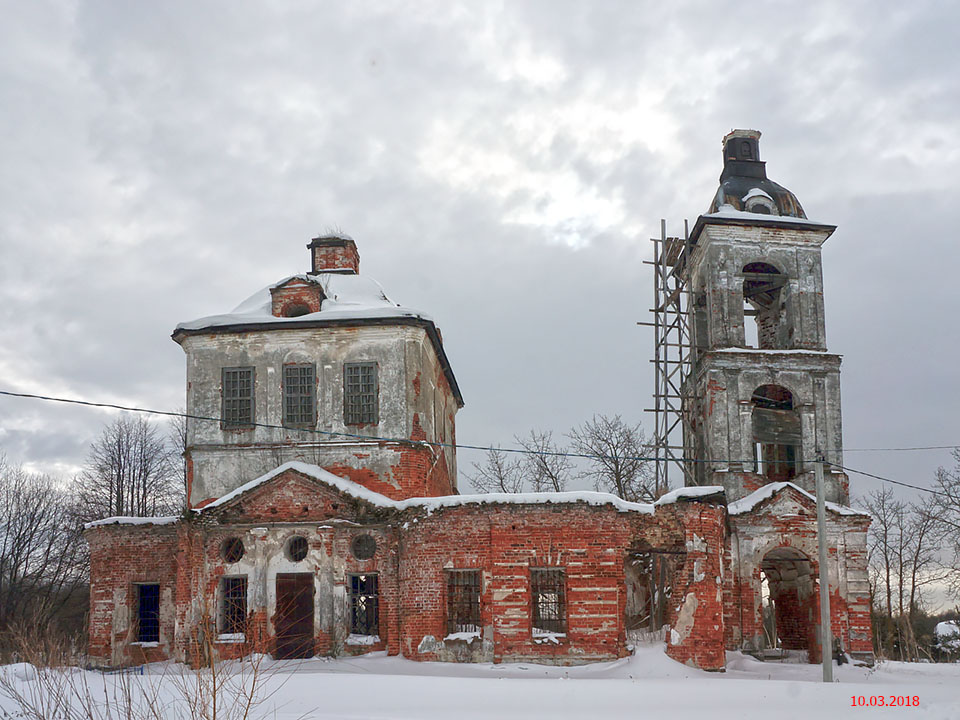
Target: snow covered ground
(647, 685)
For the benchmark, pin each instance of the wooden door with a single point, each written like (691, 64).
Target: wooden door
(294, 618)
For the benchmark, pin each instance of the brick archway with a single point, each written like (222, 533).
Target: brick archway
(794, 601)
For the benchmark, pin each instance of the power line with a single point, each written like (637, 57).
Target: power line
(331, 433)
(903, 449)
(485, 448)
(889, 480)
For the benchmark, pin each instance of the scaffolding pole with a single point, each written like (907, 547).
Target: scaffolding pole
(671, 357)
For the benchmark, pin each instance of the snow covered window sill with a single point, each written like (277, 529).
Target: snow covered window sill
(469, 636)
(354, 639)
(231, 638)
(146, 644)
(548, 637)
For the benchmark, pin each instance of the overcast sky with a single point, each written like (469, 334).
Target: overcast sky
(501, 165)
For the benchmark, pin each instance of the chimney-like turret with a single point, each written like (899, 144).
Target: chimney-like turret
(741, 155)
(334, 254)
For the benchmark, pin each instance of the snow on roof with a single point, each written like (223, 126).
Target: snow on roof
(756, 192)
(348, 297)
(126, 520)
(430, 504)
(318, 473)
(751, 501)
(947, 629)
(729, 212)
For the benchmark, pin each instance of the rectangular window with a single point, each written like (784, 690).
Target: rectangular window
(300, 395)
(548, 592)
(237, 397)
(233, 605)
(360, 393)
(463, 601)
(365, 604)
(148, 613)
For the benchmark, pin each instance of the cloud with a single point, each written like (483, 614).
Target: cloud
(501, 166)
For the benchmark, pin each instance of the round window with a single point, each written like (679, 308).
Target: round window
(363, 547)
(232, 549)
(297, 548)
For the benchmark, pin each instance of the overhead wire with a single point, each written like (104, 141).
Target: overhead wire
(458, 446)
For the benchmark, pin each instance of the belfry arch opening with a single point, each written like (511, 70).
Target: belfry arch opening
(776, 433)
(763, 301)
(789, 606)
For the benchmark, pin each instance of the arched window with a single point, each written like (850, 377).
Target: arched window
(296, 310)
(763, 288)
(776, 433)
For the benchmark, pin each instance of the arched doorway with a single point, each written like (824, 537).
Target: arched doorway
(790, 605)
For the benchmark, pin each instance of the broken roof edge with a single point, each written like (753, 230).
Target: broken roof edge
(132, 520)
(430, 504)
(750, 502)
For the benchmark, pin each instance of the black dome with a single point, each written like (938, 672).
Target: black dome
(744, 184)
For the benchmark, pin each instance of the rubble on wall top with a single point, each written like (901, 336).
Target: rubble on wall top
(127, 520)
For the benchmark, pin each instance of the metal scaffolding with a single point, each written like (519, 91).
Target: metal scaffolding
(672, 356)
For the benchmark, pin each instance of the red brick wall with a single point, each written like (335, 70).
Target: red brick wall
(697, 594)
(121, 557)
(589, 543)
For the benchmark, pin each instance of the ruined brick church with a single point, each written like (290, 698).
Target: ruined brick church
(324, 515)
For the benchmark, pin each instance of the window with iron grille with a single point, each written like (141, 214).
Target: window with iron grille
(365, 604)
(548, 591)
(233, 605)
(463, 601)
(237, 397)
(300, 395)
(360, 393)
(148, 613)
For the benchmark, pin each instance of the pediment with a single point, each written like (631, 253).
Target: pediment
(788, 501)
(289, 495)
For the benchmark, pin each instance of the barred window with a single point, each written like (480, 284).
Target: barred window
(548, 592)
(365, 604)
(463, 601)
(299, 395)
(233, 605)
(360, 393)
(148, 613)
(237, 397)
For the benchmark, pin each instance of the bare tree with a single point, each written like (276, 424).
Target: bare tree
(882, 544)
(130, 471)
(615, 449)
(177, 436)
(497, 473)
(947, 501)
(43, 559)
(905, 558)
(544, 465)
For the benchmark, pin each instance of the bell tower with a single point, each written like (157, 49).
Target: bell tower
(761, 397)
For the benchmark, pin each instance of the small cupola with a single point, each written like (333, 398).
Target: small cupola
(334, 254)
(296, 296)
(741, 155)
(744, 185)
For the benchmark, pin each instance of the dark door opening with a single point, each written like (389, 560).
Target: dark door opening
(294, 618)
